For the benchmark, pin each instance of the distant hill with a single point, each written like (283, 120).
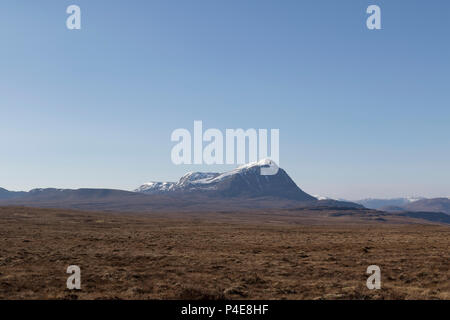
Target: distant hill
(5, 194)
(437, 209)
(383, 203)
(430, 205)
(430, 216)
(441, 205)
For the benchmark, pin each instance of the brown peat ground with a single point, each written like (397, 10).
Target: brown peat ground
(285, 254)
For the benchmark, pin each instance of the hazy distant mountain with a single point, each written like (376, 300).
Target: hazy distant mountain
(429, 205)
(5, 194)
(382, 203)
(244, 181)
(51, 194)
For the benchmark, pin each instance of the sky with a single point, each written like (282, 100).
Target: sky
(361, 113)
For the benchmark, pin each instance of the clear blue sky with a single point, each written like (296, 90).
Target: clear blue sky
(361, 113)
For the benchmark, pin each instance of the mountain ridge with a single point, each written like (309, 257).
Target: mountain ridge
(243, 187)
(436, 205)
(377, 203)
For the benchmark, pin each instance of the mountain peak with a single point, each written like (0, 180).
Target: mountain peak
(244, 181)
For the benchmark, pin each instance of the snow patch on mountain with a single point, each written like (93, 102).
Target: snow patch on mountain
(151, 187)
(197, 178)
(414, 199)
(318, 197)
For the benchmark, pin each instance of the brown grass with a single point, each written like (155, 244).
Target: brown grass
(217, 256)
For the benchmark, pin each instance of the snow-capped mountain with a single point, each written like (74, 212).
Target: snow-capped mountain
(245, 180)
(424, 205)
(381, 203)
